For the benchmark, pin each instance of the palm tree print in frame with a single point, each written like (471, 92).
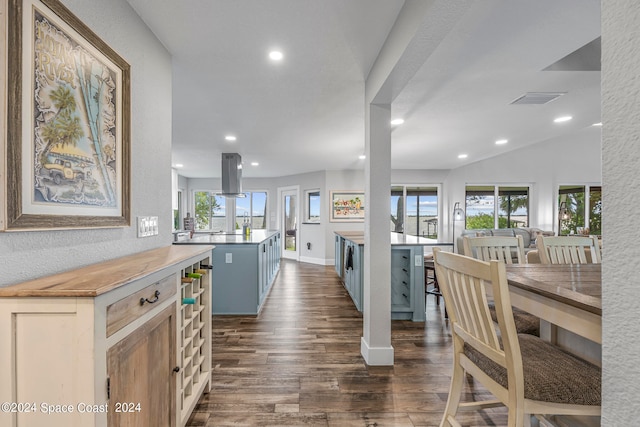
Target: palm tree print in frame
(78, 174)
(75, 115)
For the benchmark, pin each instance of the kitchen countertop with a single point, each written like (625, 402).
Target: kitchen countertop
(216, 238)
(97, 279)
(396, 239)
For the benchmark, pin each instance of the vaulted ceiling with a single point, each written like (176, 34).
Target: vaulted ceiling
(306, 112)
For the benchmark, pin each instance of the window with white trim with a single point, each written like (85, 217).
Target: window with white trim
(581, 207)
(414, 210)
(493, 206)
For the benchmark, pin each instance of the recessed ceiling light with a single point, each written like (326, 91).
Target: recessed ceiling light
(276, 55)
(230, 138)
(597, 124)
(254, 163)
(362, 157)
(501, 141)
(462, 156)
(179, 165)
(562, 119)
(397, 121)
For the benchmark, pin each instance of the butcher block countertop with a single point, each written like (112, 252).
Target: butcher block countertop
(97, 279)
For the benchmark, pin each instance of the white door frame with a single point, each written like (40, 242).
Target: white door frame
(290, 189)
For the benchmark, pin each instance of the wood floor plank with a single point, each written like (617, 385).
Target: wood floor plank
(365, 419)
(298, 363)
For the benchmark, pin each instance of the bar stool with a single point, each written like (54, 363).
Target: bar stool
(431, 286)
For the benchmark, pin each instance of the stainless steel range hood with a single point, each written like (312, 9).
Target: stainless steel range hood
(231, 175)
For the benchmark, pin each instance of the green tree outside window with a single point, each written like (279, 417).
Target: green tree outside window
(205, 206)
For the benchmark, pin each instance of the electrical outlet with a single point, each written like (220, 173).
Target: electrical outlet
(418, 261)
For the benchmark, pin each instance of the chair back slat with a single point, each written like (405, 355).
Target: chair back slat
(466, 284)
(568, 250)
(473, 318)
(500, 248)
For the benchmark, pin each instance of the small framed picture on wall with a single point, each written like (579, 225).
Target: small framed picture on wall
(347, 206)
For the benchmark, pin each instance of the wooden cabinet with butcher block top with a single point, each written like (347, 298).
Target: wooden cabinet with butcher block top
(125, 342)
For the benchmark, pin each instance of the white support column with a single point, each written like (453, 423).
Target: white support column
(416, 34)
(376, 341)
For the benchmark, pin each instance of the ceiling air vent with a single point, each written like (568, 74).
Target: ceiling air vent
(537, 98)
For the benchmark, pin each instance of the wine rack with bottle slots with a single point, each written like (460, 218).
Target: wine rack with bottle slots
(195, 329)
(401, 280)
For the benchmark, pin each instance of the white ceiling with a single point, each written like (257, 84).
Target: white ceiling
(306, 113)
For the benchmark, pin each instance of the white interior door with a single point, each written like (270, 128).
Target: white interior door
(289, 221)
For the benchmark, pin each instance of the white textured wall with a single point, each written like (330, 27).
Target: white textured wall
(544, 166)
(621, 224)
(27, 255)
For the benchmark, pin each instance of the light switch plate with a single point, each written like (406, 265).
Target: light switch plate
(418, 261)
(153, 225)
(228, 258)
(142, 226)
(147, 226)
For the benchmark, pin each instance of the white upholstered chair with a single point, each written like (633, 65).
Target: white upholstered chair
(568, 250)
(524, 373)
(509, 250)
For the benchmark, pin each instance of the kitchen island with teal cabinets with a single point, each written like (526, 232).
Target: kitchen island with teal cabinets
(243, 268)
(407, 271)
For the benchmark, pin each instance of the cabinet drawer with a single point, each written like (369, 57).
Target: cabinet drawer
(128, 309)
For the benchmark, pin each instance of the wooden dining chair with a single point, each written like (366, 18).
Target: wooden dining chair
(509, 250)
(526, 374)
(568, 250)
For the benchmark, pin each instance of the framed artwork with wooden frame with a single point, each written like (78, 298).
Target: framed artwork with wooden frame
(68, 123)
(347, 206)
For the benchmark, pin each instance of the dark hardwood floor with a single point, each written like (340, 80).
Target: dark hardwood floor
(298, 363)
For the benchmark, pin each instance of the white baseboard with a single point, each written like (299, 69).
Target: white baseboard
(319, 261)
(376, 356)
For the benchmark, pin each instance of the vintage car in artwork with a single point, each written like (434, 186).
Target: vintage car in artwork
(63, 171)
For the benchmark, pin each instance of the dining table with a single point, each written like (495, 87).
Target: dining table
(565, 297)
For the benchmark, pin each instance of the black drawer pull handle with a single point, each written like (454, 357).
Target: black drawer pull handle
(156, 295)
(176, 369)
